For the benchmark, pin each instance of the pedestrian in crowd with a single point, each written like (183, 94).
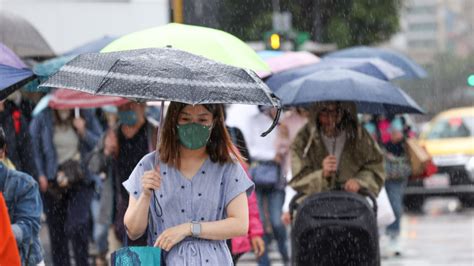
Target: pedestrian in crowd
(101, 164)
(292, 122)
(270, 181)
(253, 240)
(60, 144)
(333, 151)
(135, 138)
(16, 125)
(23, 200)
(197, 189)
(8, 250)
(398, 169)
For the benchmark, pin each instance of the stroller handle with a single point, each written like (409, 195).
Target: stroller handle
(362, 191)
(371, 196)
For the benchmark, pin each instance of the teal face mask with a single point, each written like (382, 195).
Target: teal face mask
(193, 136)
(128, 118)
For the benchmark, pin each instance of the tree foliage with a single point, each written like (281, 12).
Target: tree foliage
(344, 22)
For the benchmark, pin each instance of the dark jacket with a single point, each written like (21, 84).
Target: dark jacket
(18, 142)
(24, 205)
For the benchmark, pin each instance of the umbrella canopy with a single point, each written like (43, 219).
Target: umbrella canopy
(44, 70)
(210, 43)
(162, 74)
(9, 58)
(373, 67)
(267, 54)
(371, 95)
(412, 70)
(12, 78)
(68, 99)
(91, 47)
(290, 60)
(20, 36)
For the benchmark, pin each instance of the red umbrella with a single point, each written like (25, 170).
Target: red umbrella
(68, 99)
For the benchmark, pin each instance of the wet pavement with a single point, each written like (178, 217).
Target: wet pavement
(442, 235)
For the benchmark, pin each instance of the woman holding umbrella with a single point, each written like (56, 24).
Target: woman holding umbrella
(197, 189)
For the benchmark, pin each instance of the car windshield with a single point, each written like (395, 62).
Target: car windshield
(454, 127)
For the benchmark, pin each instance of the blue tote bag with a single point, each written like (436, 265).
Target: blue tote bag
(138, 255)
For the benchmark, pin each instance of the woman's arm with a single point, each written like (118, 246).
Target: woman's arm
(236, 224)
(136, 216)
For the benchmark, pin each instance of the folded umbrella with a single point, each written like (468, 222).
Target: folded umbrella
(411, 68)
(370, 66)
(371, 95)
(162, 74)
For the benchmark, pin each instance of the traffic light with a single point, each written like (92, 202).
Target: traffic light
(470, 80)
(273, 40)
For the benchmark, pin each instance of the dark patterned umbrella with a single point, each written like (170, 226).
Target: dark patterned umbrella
(162, 74)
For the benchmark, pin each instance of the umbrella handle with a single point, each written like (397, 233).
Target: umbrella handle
(158, 136)
(274, 124)
(77, 113)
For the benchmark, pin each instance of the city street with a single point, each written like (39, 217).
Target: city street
(443, 235)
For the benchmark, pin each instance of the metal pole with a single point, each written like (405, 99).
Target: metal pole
(178, 11)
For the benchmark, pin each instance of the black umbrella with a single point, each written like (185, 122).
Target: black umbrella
(19, 35)
(163, 74)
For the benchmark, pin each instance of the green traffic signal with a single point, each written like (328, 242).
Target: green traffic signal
(470, 80)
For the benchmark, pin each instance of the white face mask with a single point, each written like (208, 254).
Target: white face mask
(64, 114)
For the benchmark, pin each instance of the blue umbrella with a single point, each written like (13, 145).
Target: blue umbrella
(412, 69)
(49, 67)
(371, 95)
(44, 70)
(265, 54)
(91, 47)
(12, 78)
(371, 66)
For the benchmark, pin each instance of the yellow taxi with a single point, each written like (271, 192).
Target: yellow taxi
(449, 139)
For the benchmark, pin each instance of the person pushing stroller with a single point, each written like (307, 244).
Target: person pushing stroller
(332, 152)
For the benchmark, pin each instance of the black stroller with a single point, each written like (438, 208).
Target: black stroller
(335, 228)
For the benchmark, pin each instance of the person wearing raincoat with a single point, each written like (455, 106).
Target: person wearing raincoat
(332, 151)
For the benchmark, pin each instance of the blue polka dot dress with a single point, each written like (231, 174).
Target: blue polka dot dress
(203, 198)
